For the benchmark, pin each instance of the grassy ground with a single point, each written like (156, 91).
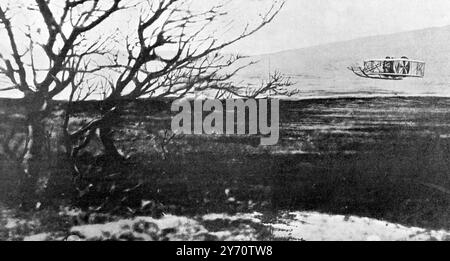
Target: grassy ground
(384, 158)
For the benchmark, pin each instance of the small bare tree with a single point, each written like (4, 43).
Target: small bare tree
(193, 60)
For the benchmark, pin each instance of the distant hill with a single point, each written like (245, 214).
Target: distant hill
(322, 70)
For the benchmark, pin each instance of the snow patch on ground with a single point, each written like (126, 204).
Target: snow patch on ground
(296, 226)
(254, 217)
(168, 228)
(213, 227)
(311, 226)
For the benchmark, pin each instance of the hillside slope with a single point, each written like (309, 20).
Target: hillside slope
(322, 70)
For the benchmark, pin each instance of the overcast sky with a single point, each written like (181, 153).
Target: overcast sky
(311, 22)
(305, 23)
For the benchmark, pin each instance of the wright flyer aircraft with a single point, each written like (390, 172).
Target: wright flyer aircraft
(390, 69)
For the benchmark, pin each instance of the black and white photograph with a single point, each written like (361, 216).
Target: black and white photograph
(250, 121)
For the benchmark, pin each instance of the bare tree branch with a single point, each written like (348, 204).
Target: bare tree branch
(23, 85)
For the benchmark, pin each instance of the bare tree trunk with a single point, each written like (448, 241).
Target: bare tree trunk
(34, 162)
(106, 136)
(111, 118)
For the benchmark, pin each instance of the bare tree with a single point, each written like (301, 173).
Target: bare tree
(44, 62)
(194, 60)
(58, 59)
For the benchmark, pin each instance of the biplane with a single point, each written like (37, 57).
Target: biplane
(390, 69)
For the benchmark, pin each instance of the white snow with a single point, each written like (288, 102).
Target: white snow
(312, 226)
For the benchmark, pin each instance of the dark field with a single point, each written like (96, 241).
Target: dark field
(385, 158)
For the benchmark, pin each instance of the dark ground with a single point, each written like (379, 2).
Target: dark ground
(385, 158)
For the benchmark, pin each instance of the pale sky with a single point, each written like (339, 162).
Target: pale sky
(305, 23)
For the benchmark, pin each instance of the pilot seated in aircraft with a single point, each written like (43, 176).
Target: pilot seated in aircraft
(388, 66)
